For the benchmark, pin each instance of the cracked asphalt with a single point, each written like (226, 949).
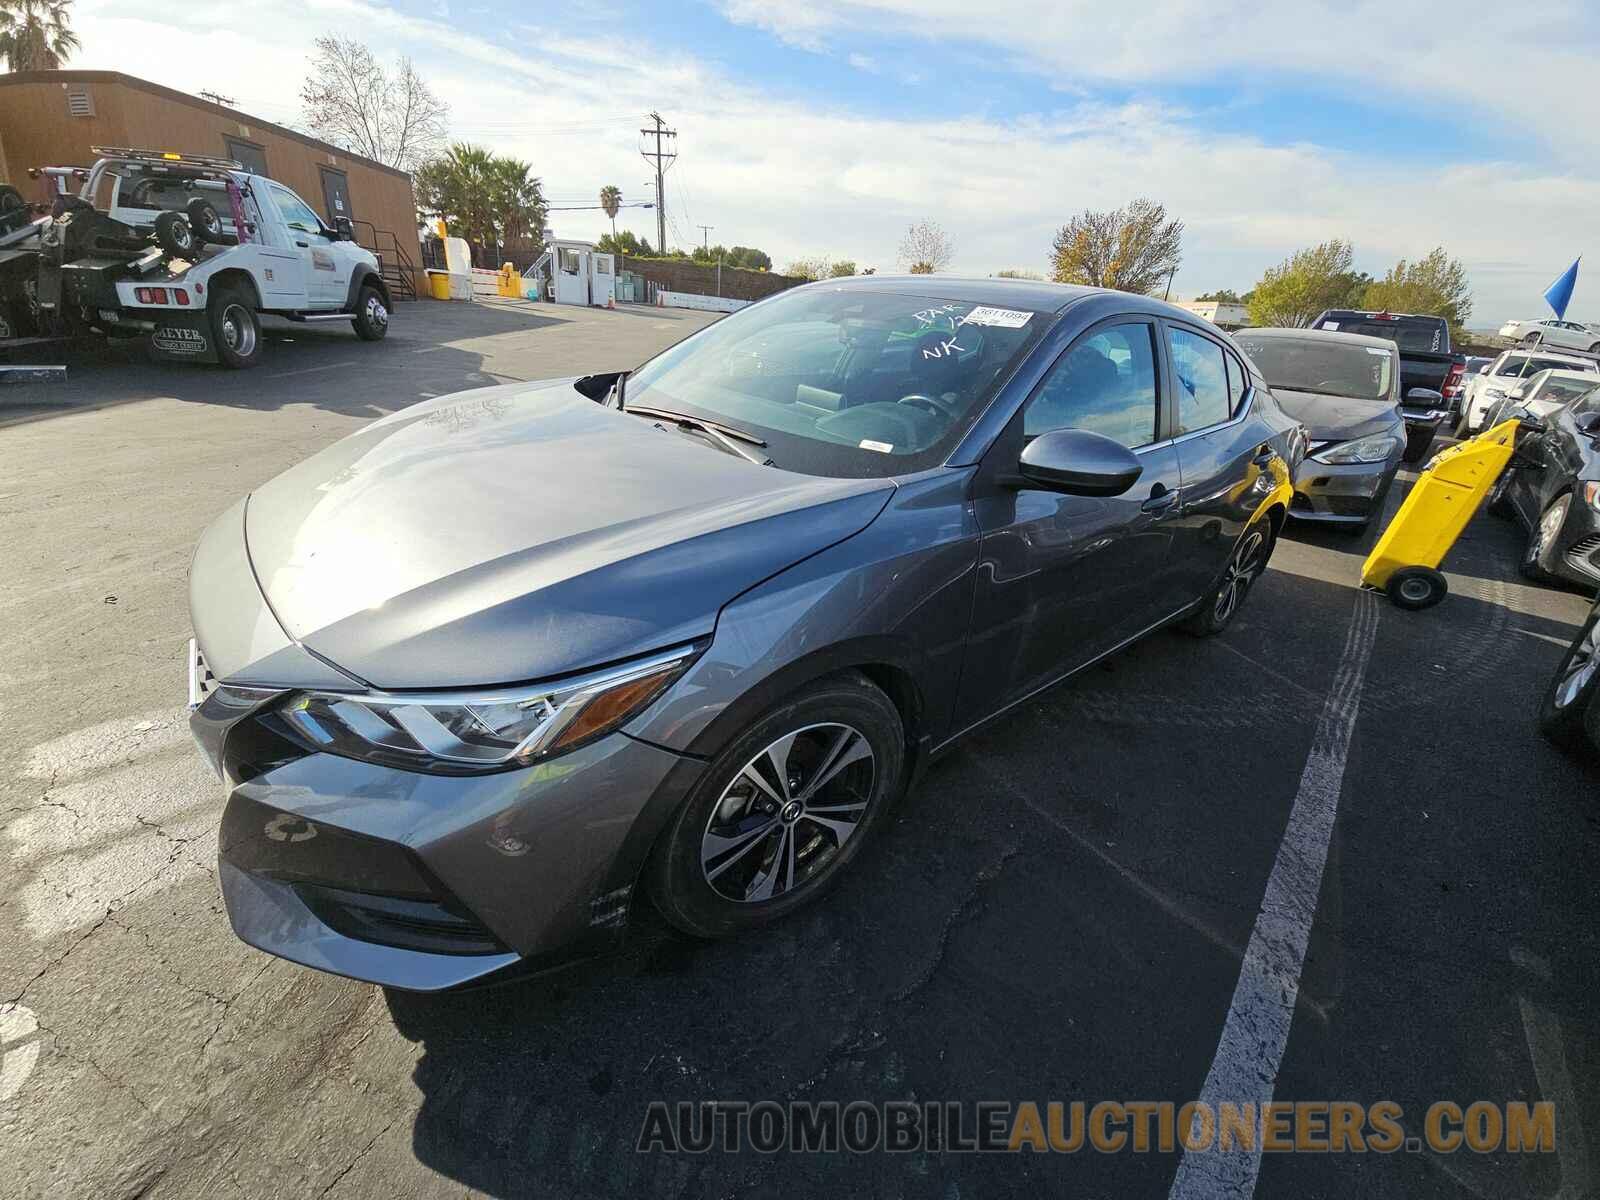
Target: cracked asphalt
(1058, 912)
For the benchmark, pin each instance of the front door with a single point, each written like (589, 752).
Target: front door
(1062, 579)
(336, 195)
(327, 277)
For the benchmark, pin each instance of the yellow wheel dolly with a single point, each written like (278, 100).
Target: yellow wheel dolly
(1404, 565)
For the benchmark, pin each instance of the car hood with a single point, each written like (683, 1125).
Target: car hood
(524, 532)
(1338, 418)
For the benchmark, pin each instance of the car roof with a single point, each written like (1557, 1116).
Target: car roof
(1555, 355)
(1322, 335)
(1580, 376)
(1381, 312)
(1018, 293)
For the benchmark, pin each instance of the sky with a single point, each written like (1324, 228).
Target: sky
(826, 127)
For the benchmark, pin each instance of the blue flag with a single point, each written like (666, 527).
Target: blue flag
(1559, 294)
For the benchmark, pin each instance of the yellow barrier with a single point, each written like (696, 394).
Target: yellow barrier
(1405, 562)
(509, 284)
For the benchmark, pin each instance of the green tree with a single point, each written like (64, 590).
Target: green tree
(841, 269)
(1222, 296)
(488, 200)
(1130, 249)
(815, 267)
(35, 34)
(625, 243)
(611, 201)
(750, 258)
(1306, 283)
(1436, 285)
(1018, 273)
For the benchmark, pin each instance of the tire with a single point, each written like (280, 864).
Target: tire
(13, 208)
(1569, 713)
(372, 314)
(1595, 349)
(1540, 550)
(1416, 588)
(1531, 339)
(1221, 604)
(777, 849)
(204, 221)
(1498, 503)
(174, 235)
(235, 328)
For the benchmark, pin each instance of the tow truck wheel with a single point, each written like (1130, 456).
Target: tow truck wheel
(174, 235)
(1416, 587)
(204, 221)
(235, 329)
(372, 315)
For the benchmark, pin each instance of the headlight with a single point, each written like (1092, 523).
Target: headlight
(463, 732)
(1591, 493)
(1364, 450)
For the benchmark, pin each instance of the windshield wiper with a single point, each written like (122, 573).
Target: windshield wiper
(724, 436)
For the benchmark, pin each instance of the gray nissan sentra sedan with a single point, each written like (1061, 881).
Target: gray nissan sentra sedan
(479, 674)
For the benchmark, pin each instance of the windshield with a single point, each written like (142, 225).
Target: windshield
(1521, 364)
(844, 381)
(1423, 335)
(1331, 368)
(1562, 390)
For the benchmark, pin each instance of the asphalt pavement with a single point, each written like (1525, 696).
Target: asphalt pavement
(1069, 907)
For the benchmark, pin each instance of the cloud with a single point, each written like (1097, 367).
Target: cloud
(803, 177)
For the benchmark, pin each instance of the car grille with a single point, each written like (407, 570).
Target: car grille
(1582, 556)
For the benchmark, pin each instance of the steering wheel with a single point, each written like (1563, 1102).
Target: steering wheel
(920, 400)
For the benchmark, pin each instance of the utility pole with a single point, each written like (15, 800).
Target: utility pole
(705, 236)
(662, 159)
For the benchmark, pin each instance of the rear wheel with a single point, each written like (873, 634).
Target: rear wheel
(235, 328)
(174, 235)
(782, 811)
(1569, 714)
(372, 314)
(1538, 557)
(1531, 339)
(1245, 565)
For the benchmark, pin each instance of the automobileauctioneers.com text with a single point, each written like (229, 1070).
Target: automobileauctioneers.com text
(1107, 1126)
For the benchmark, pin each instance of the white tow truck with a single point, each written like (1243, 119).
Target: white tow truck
(189, 251)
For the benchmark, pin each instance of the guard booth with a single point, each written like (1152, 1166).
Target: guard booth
(581, 275)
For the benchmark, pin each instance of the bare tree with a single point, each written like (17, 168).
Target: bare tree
(1130, 249)
(352, 100)
(926, 249)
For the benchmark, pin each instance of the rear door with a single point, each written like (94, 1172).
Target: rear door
(1062, 579)
(1224, 454)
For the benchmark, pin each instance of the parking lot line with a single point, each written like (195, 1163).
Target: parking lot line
(1245, 1068)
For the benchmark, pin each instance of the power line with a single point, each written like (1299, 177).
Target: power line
(662, 159)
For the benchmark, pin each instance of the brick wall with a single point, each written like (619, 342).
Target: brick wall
(681, 275)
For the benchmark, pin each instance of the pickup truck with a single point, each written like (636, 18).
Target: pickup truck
(188, 251)
(1430, 369)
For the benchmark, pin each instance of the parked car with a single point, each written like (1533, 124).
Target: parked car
(1568, 335)
(1431, 371)
(1541, 395)
(1569, 713)
(479, 673)
(1553, 488)
(1510, 370)
(1345, 389)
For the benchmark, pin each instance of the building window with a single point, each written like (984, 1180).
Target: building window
(251, 157)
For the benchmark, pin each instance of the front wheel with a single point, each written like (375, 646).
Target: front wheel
(1245, 565)
(235, 329)
(782, 811)
(372, 315)
(1569, 714)
(1538, 557)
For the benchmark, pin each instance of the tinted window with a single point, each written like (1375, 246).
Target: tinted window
(248, 155)
(1422, 334)
(1105, 384)
(1238, 383)
(1564, 389)
(1326, 366)
(1202, 381)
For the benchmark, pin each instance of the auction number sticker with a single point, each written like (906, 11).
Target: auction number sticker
(1005, 318)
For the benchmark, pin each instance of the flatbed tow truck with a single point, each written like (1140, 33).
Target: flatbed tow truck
(183, 250)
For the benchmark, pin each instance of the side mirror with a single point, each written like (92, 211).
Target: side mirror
(1421, 395)
(1079, 463)
(1517, 393)
(1588, 423)
(343, 227)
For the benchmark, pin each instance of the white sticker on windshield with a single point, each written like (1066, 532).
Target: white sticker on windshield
(1006, 318)
(1381, 353)
(1330, 324)
(880, 447)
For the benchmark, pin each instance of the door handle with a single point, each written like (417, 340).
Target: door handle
(1160, 502)
(303, 245)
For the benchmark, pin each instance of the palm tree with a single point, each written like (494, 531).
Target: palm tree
(34, 34)
(611, 201)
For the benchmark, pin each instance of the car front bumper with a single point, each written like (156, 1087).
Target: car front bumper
(1579, 542)
(426, 882)
(1342, 494)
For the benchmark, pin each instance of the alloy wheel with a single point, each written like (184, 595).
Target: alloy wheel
(787, 813)
(1243, 568)
(1580, 669)
(1545, 535)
